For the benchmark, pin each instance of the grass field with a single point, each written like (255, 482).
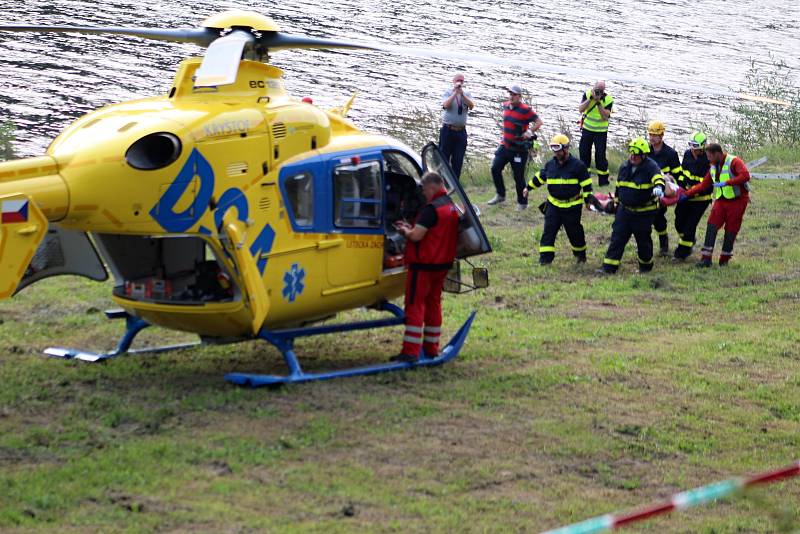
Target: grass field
(574, 396)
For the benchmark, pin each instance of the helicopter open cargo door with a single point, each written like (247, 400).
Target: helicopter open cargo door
(251, 282)
(64, 252)
(472, 238)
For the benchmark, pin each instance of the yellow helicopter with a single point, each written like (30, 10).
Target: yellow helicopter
(226, 207)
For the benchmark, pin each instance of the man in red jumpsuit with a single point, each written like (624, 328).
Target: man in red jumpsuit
(729, 176)
(430, 251)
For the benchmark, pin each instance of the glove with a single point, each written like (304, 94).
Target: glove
(682, 198)
(591, 200)
(658, 193)
(720, 184)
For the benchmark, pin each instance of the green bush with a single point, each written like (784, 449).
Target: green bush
(756, 124)
(7, 139)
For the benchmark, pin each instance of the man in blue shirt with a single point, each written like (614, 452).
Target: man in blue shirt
(453, 133)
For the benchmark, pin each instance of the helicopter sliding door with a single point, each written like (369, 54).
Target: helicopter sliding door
(472, 238)
(356, 202)
(335, 208)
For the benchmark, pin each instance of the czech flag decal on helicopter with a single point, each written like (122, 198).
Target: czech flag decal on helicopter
(14, 211)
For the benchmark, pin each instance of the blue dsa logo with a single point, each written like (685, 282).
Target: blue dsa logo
(197, 167)
(164, 211)
(293, 280)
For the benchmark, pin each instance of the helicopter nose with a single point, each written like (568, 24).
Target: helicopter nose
(39, 180)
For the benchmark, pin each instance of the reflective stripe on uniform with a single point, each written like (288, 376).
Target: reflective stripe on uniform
(433, 329)
(662, 232)
(547, 249)
(578, 249)
(413, 340)
(634, 185)
(686, 243)
(648, 207)
(413, 329)
(648, 262)
(575, 201)
(609, 261)
(431, 339)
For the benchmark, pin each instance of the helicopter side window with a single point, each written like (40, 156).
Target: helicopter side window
(300, 196)
(357, 195)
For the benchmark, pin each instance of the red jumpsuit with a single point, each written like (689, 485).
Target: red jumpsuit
(725, 212)
(428, 261)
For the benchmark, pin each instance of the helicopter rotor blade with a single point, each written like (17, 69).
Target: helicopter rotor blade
(285, 41)
(221, 61)
(198, 36)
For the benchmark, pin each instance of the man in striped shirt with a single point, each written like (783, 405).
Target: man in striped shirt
(517, 138)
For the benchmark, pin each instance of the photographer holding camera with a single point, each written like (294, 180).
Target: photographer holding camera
(517, 141)
(595, 109)
(453, 133)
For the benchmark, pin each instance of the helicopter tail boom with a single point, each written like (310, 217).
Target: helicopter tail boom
(31, 193)
(38, 178)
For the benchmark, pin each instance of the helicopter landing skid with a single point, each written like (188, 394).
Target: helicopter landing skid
(133, 325)
(283, 340)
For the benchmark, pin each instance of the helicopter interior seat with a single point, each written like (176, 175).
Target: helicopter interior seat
(173, 269)
(403, 198)
(403, 201)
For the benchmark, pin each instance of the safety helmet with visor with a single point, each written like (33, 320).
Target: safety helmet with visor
(559, 142)
(698, 140)
(638, 147)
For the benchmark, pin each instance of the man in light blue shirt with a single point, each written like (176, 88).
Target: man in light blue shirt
(453, 134)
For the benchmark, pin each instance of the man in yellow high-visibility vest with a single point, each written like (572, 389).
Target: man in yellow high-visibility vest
(728, 175)
(595, 110)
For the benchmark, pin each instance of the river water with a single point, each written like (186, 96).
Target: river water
(48, 80)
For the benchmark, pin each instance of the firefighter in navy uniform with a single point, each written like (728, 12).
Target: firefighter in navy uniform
(639, 187)
(688, 214)
(569, 186)
(668, 161)
(429, 254)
